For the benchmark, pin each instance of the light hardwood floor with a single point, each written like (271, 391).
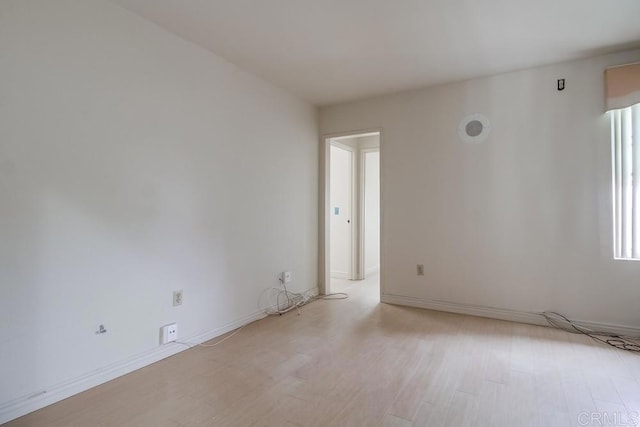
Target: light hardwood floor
(358, 362)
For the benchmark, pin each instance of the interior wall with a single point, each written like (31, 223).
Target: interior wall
(521, 221)
(132, 164)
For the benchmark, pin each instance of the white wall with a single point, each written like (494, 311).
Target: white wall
(371, 212)
(132, 164)
(520, 222)
(341, 170)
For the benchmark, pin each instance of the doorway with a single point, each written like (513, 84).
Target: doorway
(350, 250)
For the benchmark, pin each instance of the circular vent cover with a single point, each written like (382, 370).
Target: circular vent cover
(474, 128)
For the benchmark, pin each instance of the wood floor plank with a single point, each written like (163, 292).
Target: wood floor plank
(463, 410)
(410, 397)
(578, 398)
(629, 390)
(358, 362)
(493, 405)
(431, 415)
(393, 421)
(523, 409)
(602, 388)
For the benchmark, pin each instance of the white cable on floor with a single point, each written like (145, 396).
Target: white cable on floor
(211, 345)
(621, 342)
(294, 300)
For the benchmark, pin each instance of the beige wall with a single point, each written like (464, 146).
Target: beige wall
(520, 222)
(132, 164)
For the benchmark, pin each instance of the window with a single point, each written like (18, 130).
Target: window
(625, 154)
(622, 86)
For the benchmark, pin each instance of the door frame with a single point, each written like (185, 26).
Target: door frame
(324, 246)
(361, 213)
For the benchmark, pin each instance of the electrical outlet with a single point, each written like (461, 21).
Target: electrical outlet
(420, 269)
(177, 298)
(286, 277)
(168, 333)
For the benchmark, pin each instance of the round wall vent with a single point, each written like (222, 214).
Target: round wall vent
(474, 128)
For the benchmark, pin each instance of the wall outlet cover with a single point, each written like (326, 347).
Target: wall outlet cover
(286, 277)
(177, 298)
(168, 333)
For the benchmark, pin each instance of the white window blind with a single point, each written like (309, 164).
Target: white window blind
(625, 154)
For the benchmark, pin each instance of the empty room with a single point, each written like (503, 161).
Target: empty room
(319, 213)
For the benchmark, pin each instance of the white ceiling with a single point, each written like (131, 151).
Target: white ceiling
(330, 51)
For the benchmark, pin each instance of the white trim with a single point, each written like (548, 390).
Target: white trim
(502, 314)
(23, 405)
(341, 145)
(382, 235)
(312, 292)
(324, 257)
(361, 202)
(352, 134)
(356, 135)
(361, 211)
(355, 267)
(324, 218)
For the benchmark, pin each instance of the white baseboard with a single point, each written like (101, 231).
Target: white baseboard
(502, 314)
(18, 407)
(312, 292)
